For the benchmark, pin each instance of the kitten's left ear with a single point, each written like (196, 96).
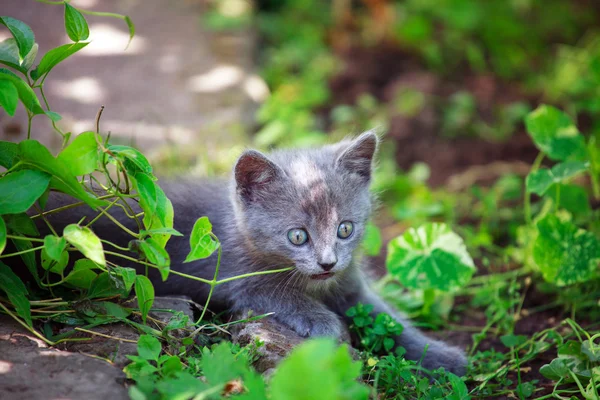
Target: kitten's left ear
(358, 156)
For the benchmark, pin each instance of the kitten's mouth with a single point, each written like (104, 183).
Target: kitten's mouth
(323, 276)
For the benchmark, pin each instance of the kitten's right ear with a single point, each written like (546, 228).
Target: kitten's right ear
(254, 172)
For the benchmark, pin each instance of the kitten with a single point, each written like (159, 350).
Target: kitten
(302, 208)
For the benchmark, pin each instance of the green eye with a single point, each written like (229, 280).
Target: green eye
(297, 236)
(345, 230)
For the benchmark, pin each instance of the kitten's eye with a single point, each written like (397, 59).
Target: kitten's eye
(345, 229)
(297, 236)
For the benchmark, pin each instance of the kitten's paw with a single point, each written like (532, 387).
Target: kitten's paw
(440, 354)
(317, 324)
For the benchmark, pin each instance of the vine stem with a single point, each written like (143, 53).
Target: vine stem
(30, 329)
(214, 280)
(18, 253)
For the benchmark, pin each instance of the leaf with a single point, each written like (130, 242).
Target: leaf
(55, 56)
(555, 134)
(2, 235)
(104, 286)
(564, 253)
(20, 189)
(9, 97)
(327, 371)
(539, 181)
(131, 28)
(54, 266)
(430, 257)
(372, 240)
(115, 310)
(146, 189)
(34, 154)
(134, 161)
(82, 275)
(30, 58)
(144, 290)
(21, 223)
(149, 347)
(556, 370)
(21, 32)
(127, 275)
(513, 340)
(54, 246)
(86, 242)
(26, 94)
(16, 292)
(572, 198)
(75, 24)
(157, 255)
(28, 258)
(81, 155)
(9, 54)
(160, 231)
(202, 244)
(152, 222)
(8, 153)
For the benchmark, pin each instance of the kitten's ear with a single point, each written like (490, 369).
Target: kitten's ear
(253, 173)
(358, 156)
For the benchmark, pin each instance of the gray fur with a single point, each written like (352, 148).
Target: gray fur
(314, 189)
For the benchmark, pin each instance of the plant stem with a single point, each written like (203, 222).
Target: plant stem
(30, 329)
(214, 280)
(18, 253)
(527, 202)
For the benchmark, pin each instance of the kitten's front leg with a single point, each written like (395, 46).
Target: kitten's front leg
(438, 354)
(304, 315)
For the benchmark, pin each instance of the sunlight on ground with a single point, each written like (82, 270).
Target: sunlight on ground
(106, 40)
(218, 78)
(85, 90)
(5, 367)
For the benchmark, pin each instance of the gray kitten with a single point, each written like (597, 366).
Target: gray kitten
(302, 208)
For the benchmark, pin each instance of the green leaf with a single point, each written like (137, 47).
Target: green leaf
(564, 253)
(82, 275)
(430, 257)
(75, 24)
(147, 189)
(149, 347)
(30, 58)
(556, 370)
(328, 373)
(160, 231)
(32, 153)
(133, 161)
(2, 235)
(54, 246)
(8, 153)
(21, 223)
(157, 255)
(81, 155)
(372, 240)
(53, 116)
(539, 181)
(9, 54)
(127, 275)
(22, 34)
(9, 97)
(54, 266)
(26, 94)
(115, 310)
(86, 242)
(20, 189)
(202, 243)
(131, 28)
(555, 134)
(56, 56)
(144, 290)
(513, 340)
(105, 286)
(152, 222)
(572, 198)
(16, 292)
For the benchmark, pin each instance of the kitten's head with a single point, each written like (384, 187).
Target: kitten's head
(306, 208)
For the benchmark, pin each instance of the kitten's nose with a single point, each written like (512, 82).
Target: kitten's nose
(327, 266)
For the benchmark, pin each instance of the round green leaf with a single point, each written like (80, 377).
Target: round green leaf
(564, 253)
(430, 257)
(82, 275)
(555, 134)
(54, 246)
(539, 181)
(81, 155)
(20, 189)
(149, 347)
(8, 154)
(86, 242)
(75, 24)
(202, 243)
(49, 264)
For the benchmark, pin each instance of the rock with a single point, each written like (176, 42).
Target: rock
(30, 370)
(277, 342)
